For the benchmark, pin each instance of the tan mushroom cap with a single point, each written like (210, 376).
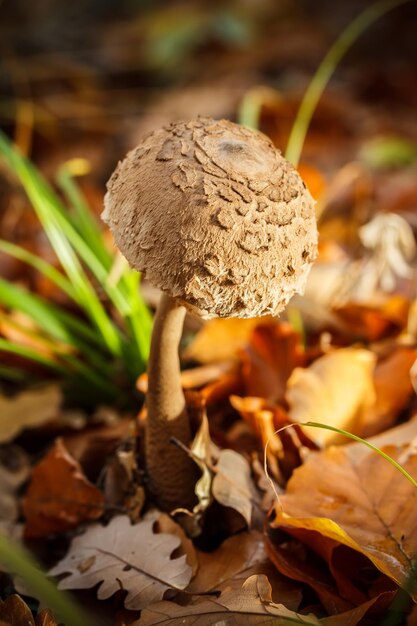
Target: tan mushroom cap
(213, 215)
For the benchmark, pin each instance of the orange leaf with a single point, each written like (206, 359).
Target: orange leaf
(59, 496)
(273, 352)
(365, 504)
(393, 389)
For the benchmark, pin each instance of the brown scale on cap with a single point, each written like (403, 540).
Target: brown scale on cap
(213, 215)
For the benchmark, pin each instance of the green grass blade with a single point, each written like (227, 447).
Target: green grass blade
(40, 265)
(340, 431)
(65, 365)
(16, 560)
(53, 320)
(68, 243)
(326, 69)
(58, 229)
(83, 219)
(32, 355)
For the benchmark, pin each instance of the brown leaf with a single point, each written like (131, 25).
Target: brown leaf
(232, 484)
(239, 557)
(252, 605)
(366, 505)
(125, 556)
(15, 611)
(335, 390)
(393, 389)
(273, 352)
(28, 409)
(45, 618)
(59, 496)
(371, 322)
(305, 569)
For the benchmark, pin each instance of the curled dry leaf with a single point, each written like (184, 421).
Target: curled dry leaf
(336, 390)
(367, 505)
(252, 605)
(59, 496)
(125, 556)
(233, 485)
(28, 409)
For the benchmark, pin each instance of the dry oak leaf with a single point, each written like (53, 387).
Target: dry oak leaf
(337, 390)
(233, 485)
(28, 409)
(252, 605)
(125, 556)
(59, 496)
(365, 504)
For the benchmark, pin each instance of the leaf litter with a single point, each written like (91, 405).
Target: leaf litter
(340, 541)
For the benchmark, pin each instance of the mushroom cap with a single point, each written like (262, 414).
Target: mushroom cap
(213, 215)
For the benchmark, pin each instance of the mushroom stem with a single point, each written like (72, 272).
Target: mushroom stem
(171, 472)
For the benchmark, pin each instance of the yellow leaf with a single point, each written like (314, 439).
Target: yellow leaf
(335, 390)
(220, 339)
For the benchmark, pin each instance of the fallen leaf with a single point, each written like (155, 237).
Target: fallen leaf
(366, 505)
(202, 448)
(273, 351)
(220, 340)
(300, 565)
(15, 611)
(167, 525)
(233, 485)
(374, 609)
(45, 618)
(265, 419)
(252, 605)
(125, 556)
(239, 557)
(393, 390)
(28, 409)
(335, 390)
(371, 322)
(59, 496)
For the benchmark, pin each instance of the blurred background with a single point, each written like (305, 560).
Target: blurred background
(88, 78)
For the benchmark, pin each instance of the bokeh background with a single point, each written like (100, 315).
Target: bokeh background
(88, 78)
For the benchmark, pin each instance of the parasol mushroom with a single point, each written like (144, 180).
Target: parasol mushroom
(214, 216)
